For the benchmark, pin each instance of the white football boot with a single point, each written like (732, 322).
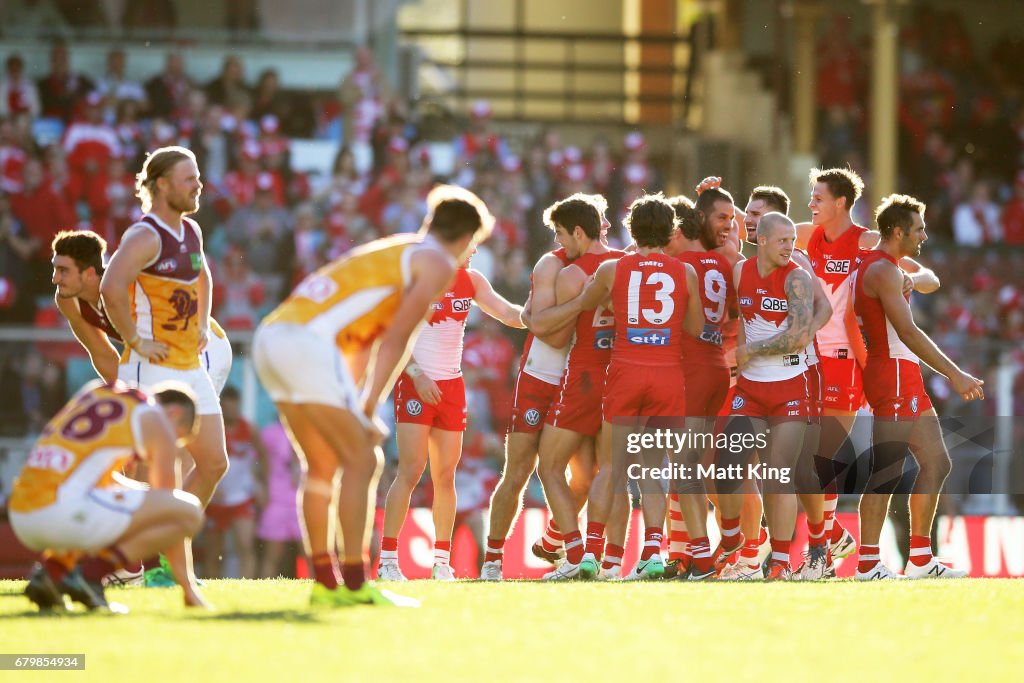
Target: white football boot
(491, 571)
(933, 570)
(388, 570)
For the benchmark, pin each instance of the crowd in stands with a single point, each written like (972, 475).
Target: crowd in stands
(70, 143)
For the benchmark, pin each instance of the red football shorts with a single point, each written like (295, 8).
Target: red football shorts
(842, 383)
(787, 398)
(895, 389)
(221, 516)
(644, 391)
(531, 403)
(578, 408)
(706, 389)
(449, 414)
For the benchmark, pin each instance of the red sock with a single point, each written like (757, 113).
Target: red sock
(612, 556)
(780, 552)
(325, 570)
(495, 549)
(55, 568)
(573, 546)
(595, 538)
(730, 531)
(920, 550)
(389, 543)
(678, 543)
(816, 532)
(552, 537)
(837, 531)
(353, 574)
(867, 558)
(652, 542)
(749, 553)
(701, 551)
(108, 560)
(442, 552)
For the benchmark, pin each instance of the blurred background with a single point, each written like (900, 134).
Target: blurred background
(322, 124)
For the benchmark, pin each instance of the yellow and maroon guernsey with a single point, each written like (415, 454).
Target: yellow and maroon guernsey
(353, 299)
(95, 435)
(165, 296)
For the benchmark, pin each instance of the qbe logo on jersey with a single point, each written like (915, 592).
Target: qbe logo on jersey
(837, 267)
(649, 336)
(461, 305)
(413, 407)
(770, 303)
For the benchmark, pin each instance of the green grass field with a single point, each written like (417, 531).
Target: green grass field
(528, 631)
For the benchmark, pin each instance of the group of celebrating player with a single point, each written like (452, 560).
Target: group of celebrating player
(675, 331)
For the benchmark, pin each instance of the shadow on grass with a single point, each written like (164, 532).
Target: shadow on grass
(297, 616)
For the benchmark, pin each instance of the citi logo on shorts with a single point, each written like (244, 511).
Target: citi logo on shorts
(840, 267)
(532, 417)
(738, 402)
(650, 336)
(413, 407)
(770, 303)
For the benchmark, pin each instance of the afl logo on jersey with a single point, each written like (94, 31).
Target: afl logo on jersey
(413, 407)
(166, 266)
(738, 402)
(532, 417)
(746, 301)
(841, 267)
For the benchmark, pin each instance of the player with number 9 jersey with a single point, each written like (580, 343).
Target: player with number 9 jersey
(704, 362)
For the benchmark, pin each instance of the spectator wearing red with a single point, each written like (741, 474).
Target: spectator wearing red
(18, 95)
(89, 145)
(238, 293)
(487, 358)
(12, 158)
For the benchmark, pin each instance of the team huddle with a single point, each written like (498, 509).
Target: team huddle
(679, 330)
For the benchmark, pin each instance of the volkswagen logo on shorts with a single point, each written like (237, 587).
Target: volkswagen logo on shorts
(913, 405)
(413, 407)
(737, 402)
(532, 417)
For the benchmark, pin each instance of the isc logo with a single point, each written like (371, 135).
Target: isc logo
(842, 267)
(461, 305)
(659, 336)
(770, 303)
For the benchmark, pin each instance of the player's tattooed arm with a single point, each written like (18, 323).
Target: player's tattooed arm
(886, 282)
(561, 315)
(822, 308)
(797, 334)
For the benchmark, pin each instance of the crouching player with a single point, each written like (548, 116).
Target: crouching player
(70, 500)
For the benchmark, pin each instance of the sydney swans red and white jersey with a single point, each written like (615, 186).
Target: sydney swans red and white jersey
(438, 348)
(541, 360)
(717, 298)
(595, 330)
(649, 297)
(764, 308)
(834, 263)
(879, 335)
